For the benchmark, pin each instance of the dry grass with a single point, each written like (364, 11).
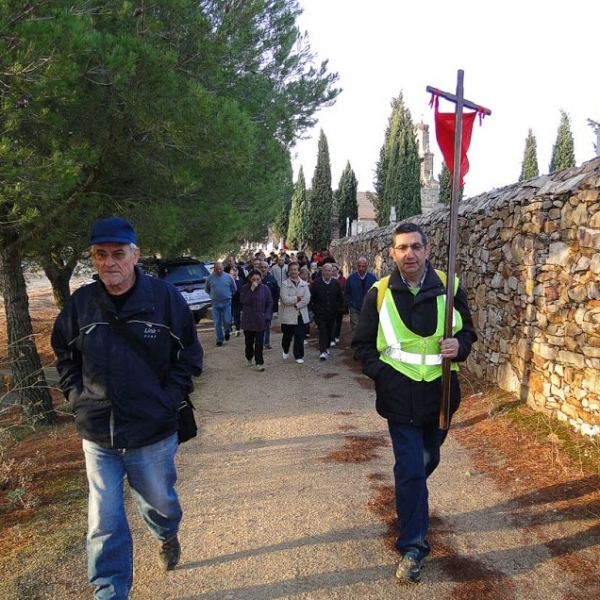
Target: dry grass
(358, 449)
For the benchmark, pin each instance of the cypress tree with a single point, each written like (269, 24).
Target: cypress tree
(408, 200)
(398, 170)
(563, 151)
(445, 184)
(529, 168)
(320, 208)
(297, 232)
(345, 198)
(281, 223)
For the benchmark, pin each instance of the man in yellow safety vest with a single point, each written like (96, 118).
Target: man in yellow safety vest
(399, 341)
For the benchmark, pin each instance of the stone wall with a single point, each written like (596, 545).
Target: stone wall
(529, 258)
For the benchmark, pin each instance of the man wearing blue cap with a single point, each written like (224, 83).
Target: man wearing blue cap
(126, 350)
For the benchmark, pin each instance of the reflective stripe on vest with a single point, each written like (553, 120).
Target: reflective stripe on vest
(415, 356)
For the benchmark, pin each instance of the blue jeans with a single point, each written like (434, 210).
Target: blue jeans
(267, 337)
(151, 475)
(222, 318)
(416, 454)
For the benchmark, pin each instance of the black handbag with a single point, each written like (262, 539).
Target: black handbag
(188, 428)
(187, 421)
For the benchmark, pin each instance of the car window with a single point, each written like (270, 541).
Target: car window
(182, 273)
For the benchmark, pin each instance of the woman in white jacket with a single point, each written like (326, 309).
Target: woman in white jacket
(294, 296)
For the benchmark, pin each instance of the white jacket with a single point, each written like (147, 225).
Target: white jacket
(288, 301)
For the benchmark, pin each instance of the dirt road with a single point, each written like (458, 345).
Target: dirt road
(276, 505)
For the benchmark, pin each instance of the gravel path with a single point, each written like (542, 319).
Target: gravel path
(270, 513)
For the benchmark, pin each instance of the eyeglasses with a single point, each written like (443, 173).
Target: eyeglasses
(416, 247)
(117, 255)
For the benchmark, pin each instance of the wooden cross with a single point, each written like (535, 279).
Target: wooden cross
(459, 100)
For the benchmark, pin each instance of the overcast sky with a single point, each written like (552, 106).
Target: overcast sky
(525, 60)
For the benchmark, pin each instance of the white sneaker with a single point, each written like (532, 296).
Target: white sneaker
(306, 342)
(332, 343)
(285, 355)
(237, 333)
(324, 355)
(337, 340)
(299, 360)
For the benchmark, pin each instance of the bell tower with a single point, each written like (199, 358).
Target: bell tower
(430, 187)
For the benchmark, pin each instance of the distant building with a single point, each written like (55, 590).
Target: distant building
(366, 213)
(430, 186)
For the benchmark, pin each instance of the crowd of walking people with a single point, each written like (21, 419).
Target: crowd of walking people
(291, 289)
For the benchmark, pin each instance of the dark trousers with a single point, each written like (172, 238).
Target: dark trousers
(236, 314)
(254, 346)
(337, 328)
(297, 333)
(417, 454)
(325, 325)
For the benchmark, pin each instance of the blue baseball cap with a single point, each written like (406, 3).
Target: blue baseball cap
(112, 230)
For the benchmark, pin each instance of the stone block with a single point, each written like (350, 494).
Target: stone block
(559, 254)
(591, 352)
(578, 294)
(569, 410)
(523, 349)
(595, 263)
(588, 238)
(508, 379)
(552, 293)
(536, 382)
(545, 351)
(571, 358)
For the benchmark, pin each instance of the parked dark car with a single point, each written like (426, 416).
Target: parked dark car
(188, 275)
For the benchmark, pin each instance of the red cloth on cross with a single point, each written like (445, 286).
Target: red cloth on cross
(445, 129)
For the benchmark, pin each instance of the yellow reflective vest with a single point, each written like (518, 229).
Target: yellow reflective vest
(413, 355)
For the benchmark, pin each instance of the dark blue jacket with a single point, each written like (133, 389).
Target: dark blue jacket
(355, 291)
(119, 399)
(272, 284)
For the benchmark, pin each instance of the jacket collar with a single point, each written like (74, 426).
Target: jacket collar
(431, 282)
(142, 300)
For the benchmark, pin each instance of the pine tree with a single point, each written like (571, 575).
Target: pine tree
(320, 209)
(563, 151)
(529, 168)
(297, 232)
(345, 199)
(398, 170)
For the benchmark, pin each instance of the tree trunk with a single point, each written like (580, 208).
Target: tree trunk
(59, 278)
(25, 362)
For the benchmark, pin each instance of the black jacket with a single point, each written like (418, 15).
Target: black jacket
(326, 299)
(119, 399)
(399, 398)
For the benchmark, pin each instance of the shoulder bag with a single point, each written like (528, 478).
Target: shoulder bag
(188, 428)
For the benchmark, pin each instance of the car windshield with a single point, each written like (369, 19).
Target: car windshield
(185, 273)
